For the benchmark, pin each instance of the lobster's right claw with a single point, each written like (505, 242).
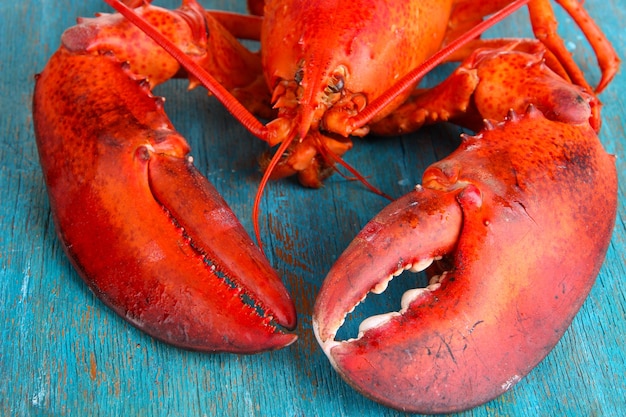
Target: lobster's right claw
(146, 231)
(523, 213)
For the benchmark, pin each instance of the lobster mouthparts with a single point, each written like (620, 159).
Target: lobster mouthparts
(522, 214)
(147, 232)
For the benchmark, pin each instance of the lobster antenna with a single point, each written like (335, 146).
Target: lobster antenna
(408, 81)
(243, 115)
(328, 154)
(264, 180)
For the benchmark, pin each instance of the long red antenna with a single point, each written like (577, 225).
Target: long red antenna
(266, 177)
(247, 119)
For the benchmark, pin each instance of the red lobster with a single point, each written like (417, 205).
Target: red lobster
(535, 182)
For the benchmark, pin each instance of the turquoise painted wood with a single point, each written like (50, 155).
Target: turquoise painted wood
(62, 353)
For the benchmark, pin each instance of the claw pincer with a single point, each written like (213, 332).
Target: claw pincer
(522, 213)
(146, 231)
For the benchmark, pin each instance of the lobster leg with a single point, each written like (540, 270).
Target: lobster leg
(516, 73)
(544, 26)
(145, 230)
(522, 214)
(467, 14)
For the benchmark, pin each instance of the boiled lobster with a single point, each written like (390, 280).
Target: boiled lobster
(534, 184)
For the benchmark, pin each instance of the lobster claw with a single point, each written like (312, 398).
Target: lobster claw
(146, 231)
(522, 214)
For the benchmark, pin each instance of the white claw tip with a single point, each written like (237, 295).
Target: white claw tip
(326, 345)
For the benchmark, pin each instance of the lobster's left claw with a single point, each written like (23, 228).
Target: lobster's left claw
(523, 214)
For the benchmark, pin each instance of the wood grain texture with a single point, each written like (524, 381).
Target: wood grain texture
(63, 353)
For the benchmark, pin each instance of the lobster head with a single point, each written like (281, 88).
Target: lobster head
(324, 68)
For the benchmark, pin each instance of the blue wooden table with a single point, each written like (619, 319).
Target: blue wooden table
(63, 353)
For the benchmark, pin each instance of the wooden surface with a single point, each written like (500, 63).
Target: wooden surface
(63, 353)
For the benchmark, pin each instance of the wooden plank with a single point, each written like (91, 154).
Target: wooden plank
(63, 353)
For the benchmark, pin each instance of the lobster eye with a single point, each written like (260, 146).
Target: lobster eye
(336, 84)
(299, 75)
(338, 80)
